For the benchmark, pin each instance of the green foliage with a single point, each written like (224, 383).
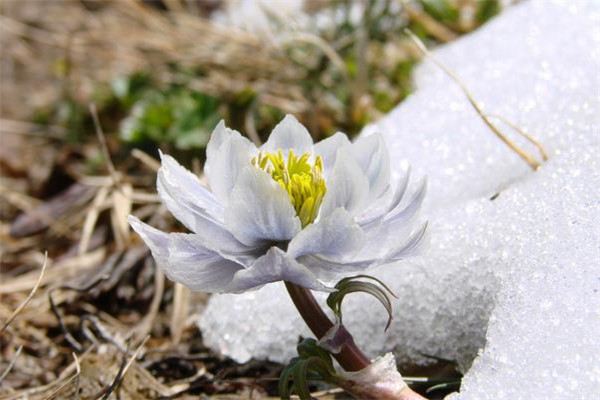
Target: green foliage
(129, 89)
(357, 284)
(142, 112)
(486, 9)
(449, 11)
(441, 10)
(177, 116)
(312, 363)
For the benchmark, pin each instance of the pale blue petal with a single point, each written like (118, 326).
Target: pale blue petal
(275, 266)
(334, 235)
(189, 213)
(374, 217)
(156, 240)
(401, 187)
(260, 210)
(347, 187)
(329, 269)
(217, 137)
(184, 260)
(403, 215)
(193, 217)
(385, 233)
(289, 134)
(410, 247)
(186, 189)
(187, 199)
(224, 243)
(328, 148)
(333, 267)
(227, 154)
(373, 157)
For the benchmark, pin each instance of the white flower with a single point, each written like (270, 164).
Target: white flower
(290, 210)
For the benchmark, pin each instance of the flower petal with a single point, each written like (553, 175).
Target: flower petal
(373, 157)
(326, 268)
(289, 134)
(414, 204)
(410, 246)
(192, 218)
(328, 148)
(191, 193)
(346, 187)
(227, 153)
(274, 266)
(330, 269)
(371, 217)
(334, 235)
(226, 245)
(183, 260)
(260, 210)
(176, 191)
(383, 232)
(217, 137)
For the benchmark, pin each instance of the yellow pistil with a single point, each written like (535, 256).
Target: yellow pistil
(302, 180)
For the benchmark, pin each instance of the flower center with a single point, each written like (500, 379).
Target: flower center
(302, 180)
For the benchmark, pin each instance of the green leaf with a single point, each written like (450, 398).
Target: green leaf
(285, 389)
(354, 285)
(300, 380)
(309, 348)
(312, 363)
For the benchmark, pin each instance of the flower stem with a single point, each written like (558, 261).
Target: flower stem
(350, 357)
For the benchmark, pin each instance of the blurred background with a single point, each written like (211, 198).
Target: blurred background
(161, 74)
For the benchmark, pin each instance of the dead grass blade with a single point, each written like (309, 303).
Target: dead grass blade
(29, 297)
(91, 218)
(526, 156)
(122, 371)
(102, 139)
(181, 305)
(11, 364)
(145, 325)
(146, 159)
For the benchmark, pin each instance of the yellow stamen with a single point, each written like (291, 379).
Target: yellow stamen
(302, 180)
